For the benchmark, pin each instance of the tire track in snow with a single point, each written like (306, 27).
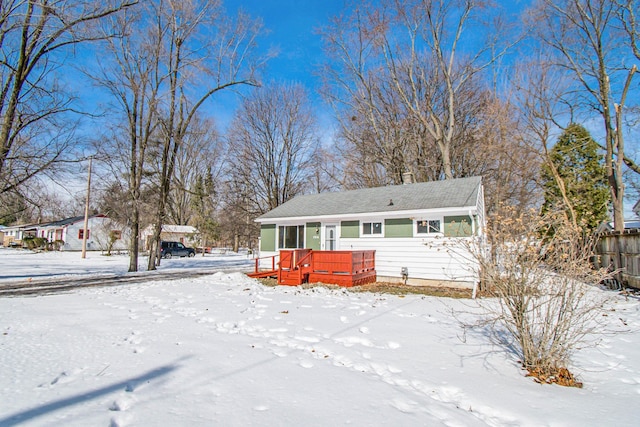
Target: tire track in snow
(61, 285)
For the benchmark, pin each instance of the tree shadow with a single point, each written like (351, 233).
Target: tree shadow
(128, 385)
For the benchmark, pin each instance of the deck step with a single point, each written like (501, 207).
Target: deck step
(263, 274)
(343, 268)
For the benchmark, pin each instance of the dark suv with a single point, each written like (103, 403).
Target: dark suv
(171, 249)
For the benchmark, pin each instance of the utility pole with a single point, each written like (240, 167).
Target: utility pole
(86, 213)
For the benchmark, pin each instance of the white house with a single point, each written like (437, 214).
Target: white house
(69, 232)
(415, 229)
(100, 228)
(13, 235)
(185, 234)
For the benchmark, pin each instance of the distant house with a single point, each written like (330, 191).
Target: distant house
(185, 234)
(606, 227)
(69, 232)
(413, 228)
(13, 235)
(100, 229)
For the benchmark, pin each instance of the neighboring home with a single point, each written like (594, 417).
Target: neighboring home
(13, 235)
(185, 234)
(100, 229)
(416, 228)
(606, 227)
(69, 232)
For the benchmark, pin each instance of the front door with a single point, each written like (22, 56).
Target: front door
(330, 238)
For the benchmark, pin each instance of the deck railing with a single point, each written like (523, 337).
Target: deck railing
(297, 266)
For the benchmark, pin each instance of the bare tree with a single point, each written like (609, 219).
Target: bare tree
(540, 96)
(403, 73)
(584, 36)
(273, 139)
(35, 35)
(508, 163)
(176, 56)
(628, 15)
(236, 216)
(134, 78)
(202, 155)
(204, 52)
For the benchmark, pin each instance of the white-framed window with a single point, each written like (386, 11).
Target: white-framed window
(372, 228)
(291, 237)
(428, 226)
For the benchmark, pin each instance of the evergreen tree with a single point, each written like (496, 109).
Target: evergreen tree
(576, 163)
(203, 206)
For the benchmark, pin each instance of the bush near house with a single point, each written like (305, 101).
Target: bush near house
(541, 303)
(35, 243)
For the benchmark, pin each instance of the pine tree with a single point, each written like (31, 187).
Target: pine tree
(201, 202)
(577, 163)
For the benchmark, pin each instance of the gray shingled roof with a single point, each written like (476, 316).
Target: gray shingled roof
(453, 193)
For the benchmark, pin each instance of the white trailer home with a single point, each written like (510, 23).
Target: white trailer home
(100, 230)
(415, 229)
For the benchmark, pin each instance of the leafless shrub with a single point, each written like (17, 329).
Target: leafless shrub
(538, 279)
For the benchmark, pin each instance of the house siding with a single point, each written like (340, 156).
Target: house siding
(438, 255)
(428, 258)
(437, 259)
(99, 230)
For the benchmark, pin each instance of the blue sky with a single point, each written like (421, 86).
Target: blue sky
(292, 26)
(291, 30)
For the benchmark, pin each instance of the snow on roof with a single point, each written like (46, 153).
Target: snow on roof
(187, 229)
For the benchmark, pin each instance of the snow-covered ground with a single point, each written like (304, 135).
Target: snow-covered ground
(20, 265)
(226, 350)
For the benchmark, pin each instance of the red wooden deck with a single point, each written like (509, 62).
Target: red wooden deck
(344, 268)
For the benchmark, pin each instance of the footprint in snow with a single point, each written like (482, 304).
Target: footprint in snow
(306, 364)
(122, 403)
(121, 420)
(404, 406)
(64, 377)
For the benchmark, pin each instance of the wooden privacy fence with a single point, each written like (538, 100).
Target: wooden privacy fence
(620, 252)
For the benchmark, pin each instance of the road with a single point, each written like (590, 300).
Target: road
(55, 285)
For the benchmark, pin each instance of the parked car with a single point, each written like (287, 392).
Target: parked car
(171, 249)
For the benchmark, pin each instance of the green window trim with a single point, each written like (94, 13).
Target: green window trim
(268, 237)
(458, 226)
(398, 227)
(350, 229)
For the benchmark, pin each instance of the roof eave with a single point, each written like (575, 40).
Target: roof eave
(386, 214)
